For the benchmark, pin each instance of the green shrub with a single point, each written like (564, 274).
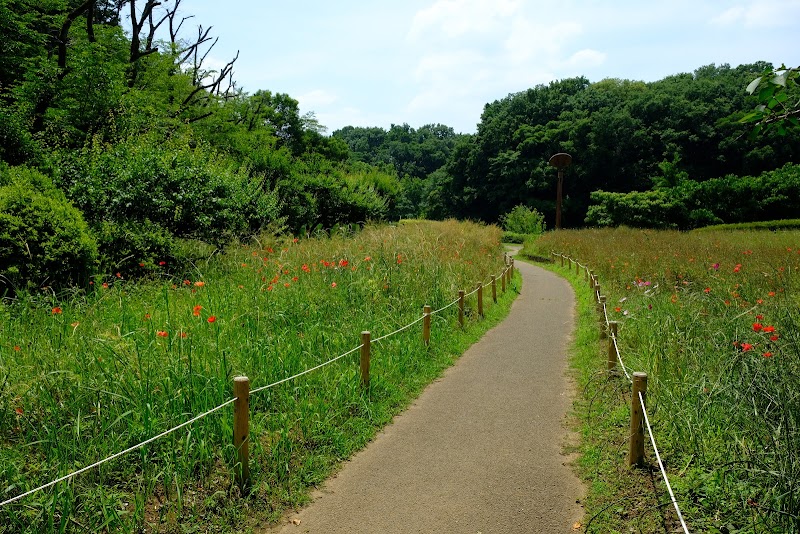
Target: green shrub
(513, 237)
(44, 240)
(523, 220)
(135, 248)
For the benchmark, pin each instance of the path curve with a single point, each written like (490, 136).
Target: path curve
(480, 451)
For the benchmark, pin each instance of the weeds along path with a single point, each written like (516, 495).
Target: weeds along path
(481, 449)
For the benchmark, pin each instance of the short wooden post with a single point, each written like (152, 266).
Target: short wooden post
(241, 430)
(480, 299)
(612, 351)
(511, 272)
(503, 281)
(562, 259)
(426, 324)
(601, 308)
(591, 278)
(636, 448)
(577, 268)
(461, 307)
(366, 340)
(494, 290)
(586, 274)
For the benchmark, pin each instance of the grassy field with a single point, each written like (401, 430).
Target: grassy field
(86, 375)
(712, 318)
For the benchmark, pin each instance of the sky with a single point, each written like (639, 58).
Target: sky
(378, 62)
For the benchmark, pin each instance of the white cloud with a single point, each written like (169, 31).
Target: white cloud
(540, 42)
(760, 14)
(587, 58)
(455, 18)
(316, 98)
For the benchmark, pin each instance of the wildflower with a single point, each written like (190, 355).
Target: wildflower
(287, 284)
(771, 294)
(707, 290)
(774, 338)
(727, 303)
(767, 355)
(141, 264)
(617, 309)
(737, 268)
(649, 306)
(270, 250)
(146, 316)
(244, 265)
(56, 311)
(196, 310)
(118, 275)
(769, 329)
(368, 258)
(333, 284)
(295, 240)
(211, 319)
(305, 268)
(19, 411)
(747, 347)
(187, 282)
(759, 317)
(199, 284)
(715, 266)
(295, 279)
(75, 324)
(162, 263)
(161, 333)
(184, 335)
(343, 262)
(757, 327)
(105, 285)
(759, 301)
(16, 348)
(399, 259)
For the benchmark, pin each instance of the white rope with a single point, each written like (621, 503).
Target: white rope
(445, 307)
(117, 455)
(349, 352)
(409, 325)
(619, 358)
(661, 465)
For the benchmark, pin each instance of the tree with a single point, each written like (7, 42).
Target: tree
(778, 93)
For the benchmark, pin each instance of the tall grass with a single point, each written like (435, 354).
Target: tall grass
(89, 375)
(713, 319)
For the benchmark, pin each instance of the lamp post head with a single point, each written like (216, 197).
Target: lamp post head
(560, 161)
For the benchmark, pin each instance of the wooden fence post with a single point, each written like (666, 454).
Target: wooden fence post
(241, 430)
(636, 448)
(366, 340)
(601, 305)
(612, 351)
(426, 324)
(586, 274)
(461, 307)
(480, 299)
(494, 289)
(562, 259)
(577, 268)
(511, 272)
(591, 278)
(503, 280)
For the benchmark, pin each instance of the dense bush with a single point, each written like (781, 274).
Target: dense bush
(44, 240)
(523, 220)
(734, 199)
(134, 247)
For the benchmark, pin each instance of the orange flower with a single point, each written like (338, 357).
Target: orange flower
(56, 311)
(768, 355)
(19, 411)
(146, 315)
(16, 348)
(161, 333)
(199, 284)
(184, 335)
(333, 284)
(187, 282)
(368, 258)
(212, 319)
(196, 310)
(707, 290)
(771, 294)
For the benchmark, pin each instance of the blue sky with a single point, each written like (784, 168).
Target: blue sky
(374, 63)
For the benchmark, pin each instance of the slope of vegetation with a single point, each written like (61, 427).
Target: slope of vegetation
(87, 377)
(712, 318)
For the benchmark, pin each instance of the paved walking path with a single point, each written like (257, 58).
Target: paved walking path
(480, 451)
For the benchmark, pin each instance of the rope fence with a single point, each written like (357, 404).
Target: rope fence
(638, 380)
(242, 388)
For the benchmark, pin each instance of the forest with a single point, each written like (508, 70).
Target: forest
(119, 146)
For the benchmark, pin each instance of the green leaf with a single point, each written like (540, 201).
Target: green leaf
(753, 85)
(766, 93)
(780, 79)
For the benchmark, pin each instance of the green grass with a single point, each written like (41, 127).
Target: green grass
(87, 375)
(696, 313)
(785, 224)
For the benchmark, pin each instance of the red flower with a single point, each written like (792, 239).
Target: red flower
(333, 284)
(105, 285)
(343, 263)
(771, 293)
(146, 315)
(774, 338)
(757, 327)
(16, 348)
(162, 263)
(212, 319)
(707, 290)
(617, 309)
(295, 279)
(187, 282)
(287, 284)
(199, 284)
(737, 268)
(56, 311)
(768, 355)
(196, 310)
(19, 411)
(184, 335)
(119, 275)
(769, 329)
(161, 333)
(305, 268)
(759, 317)
(746, 347)
(367, 258)
(141, 265)
(295, 240)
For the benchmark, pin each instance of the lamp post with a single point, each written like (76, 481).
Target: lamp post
(560, 161)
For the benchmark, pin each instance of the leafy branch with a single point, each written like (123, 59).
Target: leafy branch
(778, 100)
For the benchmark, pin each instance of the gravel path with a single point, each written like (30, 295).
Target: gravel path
(480, 451)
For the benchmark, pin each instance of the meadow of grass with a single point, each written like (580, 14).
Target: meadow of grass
(86, 375)
(712, 317)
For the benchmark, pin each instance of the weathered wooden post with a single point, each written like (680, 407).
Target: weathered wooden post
(461, 307)
(562, 259)
(636, 448)
(366, 340)
(601, 308)
(241, 430)
(577, 268)
(426, 324)
(612, 351)
(591, 278)
(480, 300)
(494, 289)
(511, 272)
(503, 280)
